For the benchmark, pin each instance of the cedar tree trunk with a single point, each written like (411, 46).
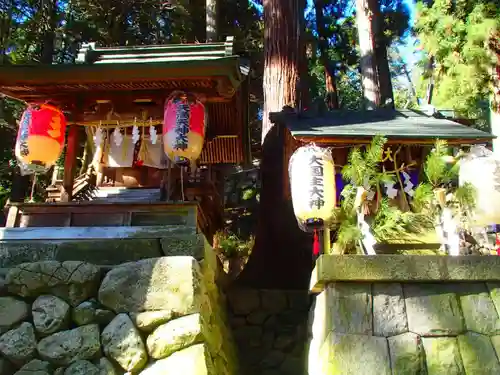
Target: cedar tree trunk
(366, 10)
(279, 258)
(332, 98)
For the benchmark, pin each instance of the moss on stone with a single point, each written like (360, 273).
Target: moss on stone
(442, 356)
(478, 355)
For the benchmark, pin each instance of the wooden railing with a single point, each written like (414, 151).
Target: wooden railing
(83, 188)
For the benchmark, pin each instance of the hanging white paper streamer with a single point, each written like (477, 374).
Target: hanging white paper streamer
(368, 239)
(135, 134)
(390, 190)
(98, 137)
(117, 137)
(408, 189)
(152, 135)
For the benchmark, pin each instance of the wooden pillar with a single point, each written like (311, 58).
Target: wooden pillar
(70, 164)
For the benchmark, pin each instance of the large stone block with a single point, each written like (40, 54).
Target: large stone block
(109, 251)
(407, 356)
(123, 343)
(73, 281)
(478, 309)
(478, 354)
(12, 312)
(19, 344)
(189, 244)
(408, 268)
(35, 367)
(443, 356)
(433, 310)
(194, 360)
(243, 301)
(349, 308)
(343, 354)
(50, 314)
(168, 283)
(174, 336)
(389, 311)
(65, 347)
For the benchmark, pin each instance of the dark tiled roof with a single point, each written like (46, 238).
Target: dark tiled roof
(404, 124)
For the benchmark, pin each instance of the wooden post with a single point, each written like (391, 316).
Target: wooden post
(70, 164)
(326, 240)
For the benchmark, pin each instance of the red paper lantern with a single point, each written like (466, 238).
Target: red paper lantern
(183, 128)
(40, 139)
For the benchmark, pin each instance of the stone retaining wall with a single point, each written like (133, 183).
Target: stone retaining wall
(427, 324)
(270, 330)
(156, 316)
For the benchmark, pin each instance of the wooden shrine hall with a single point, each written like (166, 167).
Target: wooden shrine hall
(114, 171)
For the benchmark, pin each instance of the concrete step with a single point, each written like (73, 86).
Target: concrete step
(113, 194)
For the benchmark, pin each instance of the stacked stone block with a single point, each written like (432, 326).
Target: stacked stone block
(270, 330)
(151, 317)
(406, 328)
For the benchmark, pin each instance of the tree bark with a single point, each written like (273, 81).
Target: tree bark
(278, 259)
(365, 12)
(495, 107)
(211, 20)
(381, 58)
(49, 7)
(332, 98)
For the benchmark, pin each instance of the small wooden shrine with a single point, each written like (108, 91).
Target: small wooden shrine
(113, 99)
(410, 134)
(330, 136)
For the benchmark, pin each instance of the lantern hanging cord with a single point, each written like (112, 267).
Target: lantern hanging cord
(33, 185)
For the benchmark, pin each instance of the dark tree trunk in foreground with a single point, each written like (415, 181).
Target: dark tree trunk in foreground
(332, 98)
(280, 258)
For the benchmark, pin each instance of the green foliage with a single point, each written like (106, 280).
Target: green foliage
(459, 39)
(230, 245)
(391, 223)
(436, 169)
(363, 167)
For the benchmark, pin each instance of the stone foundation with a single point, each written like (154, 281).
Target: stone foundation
(156, 316)
(443, 319)
(270, 329)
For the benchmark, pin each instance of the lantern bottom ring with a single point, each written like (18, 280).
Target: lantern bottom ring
(314, 223)
(181, 161)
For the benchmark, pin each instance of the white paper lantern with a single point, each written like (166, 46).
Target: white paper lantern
(481, 168)
(312, 182)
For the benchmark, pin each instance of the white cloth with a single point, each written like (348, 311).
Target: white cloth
(120, 156)
(153, 155)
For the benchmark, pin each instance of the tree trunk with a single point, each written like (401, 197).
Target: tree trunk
(211, 20)
(365, 13)
(304, 82)
(278, 259)
(495, 108)
(332, 98)
(381, 58)
(50, 9)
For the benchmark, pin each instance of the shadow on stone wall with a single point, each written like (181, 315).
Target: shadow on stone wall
(270, 330)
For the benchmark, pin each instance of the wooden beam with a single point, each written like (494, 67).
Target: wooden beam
(91, 233)
(70, 164)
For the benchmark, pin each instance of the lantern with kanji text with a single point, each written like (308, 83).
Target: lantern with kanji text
(312, 182)
(40, 139)
(183, 128)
